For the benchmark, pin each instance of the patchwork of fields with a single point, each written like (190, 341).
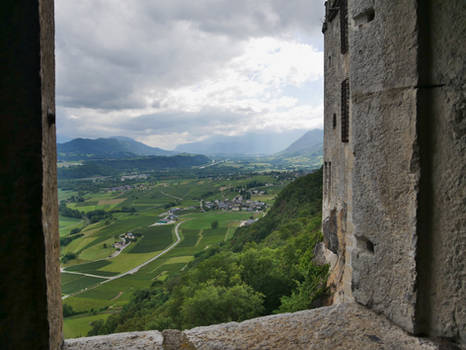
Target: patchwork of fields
(91, 282)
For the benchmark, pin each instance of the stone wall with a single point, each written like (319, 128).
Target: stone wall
(442, 131)
(401, 175)
(338, 159)
(339, 327)
(30, 295)
(383, 79)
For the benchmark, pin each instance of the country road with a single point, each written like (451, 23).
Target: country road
(136, 269)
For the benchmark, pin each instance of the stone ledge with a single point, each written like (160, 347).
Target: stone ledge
(151, 340)
(343, 326)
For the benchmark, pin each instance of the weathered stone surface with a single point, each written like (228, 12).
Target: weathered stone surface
(383, 48)
(385, 181)
(330, 230)
(174, 339)
(338, 158)
(151, 340)
(442, 233)
(386, 171)
(343, 326)
(30, 296)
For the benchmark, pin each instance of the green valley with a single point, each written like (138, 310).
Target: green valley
(148, 252)
(119, 234)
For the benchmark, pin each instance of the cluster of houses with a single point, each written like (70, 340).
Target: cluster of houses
(125, 239)
(235, 204)
(170, 217)
(124, 188)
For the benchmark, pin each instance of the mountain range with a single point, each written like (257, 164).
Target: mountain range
(310, 143)
(259, 143)
(282, 145)
(103, 148)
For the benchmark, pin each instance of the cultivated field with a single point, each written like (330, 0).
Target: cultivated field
(91, 282)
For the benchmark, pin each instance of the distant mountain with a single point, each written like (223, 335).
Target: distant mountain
(310, 142)
(105, 148)
(247, 144)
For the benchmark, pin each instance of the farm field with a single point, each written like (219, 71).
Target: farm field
(103, 248)
(66, 224)
(78, 326)
(197, 236)
(72, 283)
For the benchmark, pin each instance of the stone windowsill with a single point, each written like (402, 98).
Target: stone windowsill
(343, 326)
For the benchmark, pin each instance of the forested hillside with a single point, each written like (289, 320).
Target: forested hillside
(108, 167)
(266, 268)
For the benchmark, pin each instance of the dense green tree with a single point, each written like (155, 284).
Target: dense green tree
(261, 270)
(67, 310)
(68, 212)
(75, 230)
(213, 304)
(67, 257)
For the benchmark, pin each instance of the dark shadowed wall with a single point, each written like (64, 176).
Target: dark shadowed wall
(30, 302)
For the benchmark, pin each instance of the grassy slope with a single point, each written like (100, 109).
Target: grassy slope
(300, 199)
(79, 325)
(170, 263)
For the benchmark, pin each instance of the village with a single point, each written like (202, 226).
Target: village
(236, 204)
(125, 188)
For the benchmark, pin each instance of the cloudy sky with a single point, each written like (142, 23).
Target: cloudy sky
(168, 72)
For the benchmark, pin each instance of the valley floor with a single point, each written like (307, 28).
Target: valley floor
(97, 282)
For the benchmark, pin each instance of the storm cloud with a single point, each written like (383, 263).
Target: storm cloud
(154, 69)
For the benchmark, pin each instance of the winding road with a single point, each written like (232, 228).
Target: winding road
(130, 272)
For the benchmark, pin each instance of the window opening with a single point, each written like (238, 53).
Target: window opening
(344, 26)
(334, 122)
(345, 110)
(127, 178)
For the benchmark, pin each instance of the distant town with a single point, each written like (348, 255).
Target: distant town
(235, 204)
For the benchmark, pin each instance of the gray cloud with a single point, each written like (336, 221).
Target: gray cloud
(109, 52)
(165, 123)
(199, 123)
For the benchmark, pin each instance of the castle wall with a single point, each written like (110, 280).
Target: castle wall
(442, 114)
(383, 79)
(337, 227)
(400, 176)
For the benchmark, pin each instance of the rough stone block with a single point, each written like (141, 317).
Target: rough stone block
(384, 49)
(340, 327)
(151, 340)
(385, 179)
